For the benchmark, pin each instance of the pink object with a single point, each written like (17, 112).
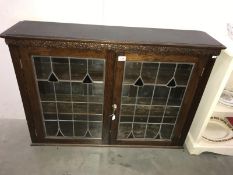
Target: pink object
(230, 119)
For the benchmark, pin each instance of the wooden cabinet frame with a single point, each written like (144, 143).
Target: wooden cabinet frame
(22, 48)
(192, 87)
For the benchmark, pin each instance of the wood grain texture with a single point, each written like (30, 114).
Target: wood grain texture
(196, 100)
(118, 79)
(189, 96)
(32, 92)
(124, 47)
(108, 96)
(110, 34)
(120, 39)
(29, 38)
(16, 59)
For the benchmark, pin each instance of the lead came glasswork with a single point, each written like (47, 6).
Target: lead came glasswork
(152, 94)
(60, 67)
(87, 79)
(139, 82)
(52, 78)
(172, 83)
(71, 92)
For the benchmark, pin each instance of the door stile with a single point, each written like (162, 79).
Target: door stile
(118, 79)
(108, 95)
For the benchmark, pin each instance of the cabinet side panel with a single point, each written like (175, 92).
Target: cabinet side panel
(16, 59)
(197, 97)
(31, 90)
(191, 97)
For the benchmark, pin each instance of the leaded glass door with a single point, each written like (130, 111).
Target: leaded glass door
(151, 100)
(76, 95)
(71, 95)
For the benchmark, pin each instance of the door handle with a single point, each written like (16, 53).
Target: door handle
(114, 107)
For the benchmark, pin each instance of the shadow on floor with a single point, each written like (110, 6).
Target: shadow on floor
(18, 157)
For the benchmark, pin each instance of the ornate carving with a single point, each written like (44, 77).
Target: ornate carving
(118, 47)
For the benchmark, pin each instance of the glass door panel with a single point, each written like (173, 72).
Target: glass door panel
(71, 94)
(152, 95)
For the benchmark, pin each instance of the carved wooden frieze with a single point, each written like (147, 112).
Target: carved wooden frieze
(118, 47)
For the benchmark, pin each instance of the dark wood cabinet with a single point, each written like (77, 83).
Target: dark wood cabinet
(89, 84)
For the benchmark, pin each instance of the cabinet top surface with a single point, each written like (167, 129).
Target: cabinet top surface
(110, 34)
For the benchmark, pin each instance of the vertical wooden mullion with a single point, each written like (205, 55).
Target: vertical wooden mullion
(118, 80)
(108, 96)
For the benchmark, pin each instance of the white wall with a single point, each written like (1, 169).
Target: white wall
(207, 15)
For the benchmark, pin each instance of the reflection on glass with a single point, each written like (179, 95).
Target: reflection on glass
(96, 117)
(160, 95)
(46, 91)
(80, 128)
(80, 108)
(63, 91)
(171, 114)
(51, 128)
(142, 110)
(61, 68)
(166, 131)
(95, 108)
(176, 96)
(155, 118)
(79, 92)
(65, 116)
(72, 93)
(166, 72)
(157, 110)
(140, 118)
(66, 128)
(49, 107)
(78, 68)
(95, 69)
(182, 73)
(95, 129)
(149, 71)
(126, 118)
(64, 107)
(138, 130)
(172, 111)
(128, 94)
(50, 116)
(145, 95)
(80, 117)
(124, 130)
(132, 72)
(152, 130)
(127, 109)
(152, 95)
(42, 67)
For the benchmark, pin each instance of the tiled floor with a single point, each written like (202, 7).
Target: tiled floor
(18, 157)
